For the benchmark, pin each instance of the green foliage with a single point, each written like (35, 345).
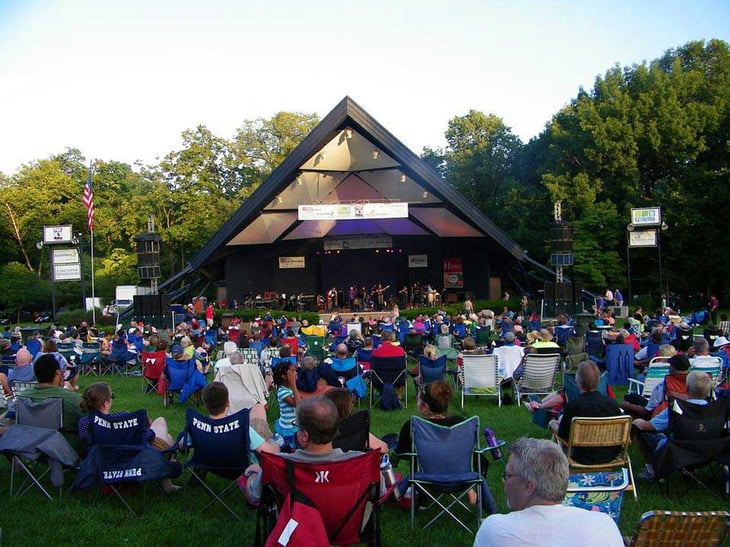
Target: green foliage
(20, 289)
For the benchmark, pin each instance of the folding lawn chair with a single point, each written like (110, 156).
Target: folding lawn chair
(349, 372)
(539, 375)
(153, 365)
(219, 446)
(345, 494)
(706, 528)
(91, 358)
(430, 370)
(442, 469)
(35, 446)
(119, 455)
(387, 373)
(353, 432)
(481, 377)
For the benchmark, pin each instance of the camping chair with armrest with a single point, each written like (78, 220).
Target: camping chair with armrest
(539, 375)
(508, 359)
(413, 346)
(709, 364)
(619, 363)
(36, 447)
(153, 365)
(590, 433)
(698, 438)
(119, 455)
(91, 358)
(184, 380)
(316, 347)
(387, 373)
(594, 345)
(353, 432)
(707, 528)
(656, 371)
(348, 501)
(483, 337)
(34, 345)
(219, 446)
(430, 370)
(442, 469)
(445, 346)
(481, 377)
(348, 373)
(363, 357)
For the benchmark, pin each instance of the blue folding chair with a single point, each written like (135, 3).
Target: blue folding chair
(219, 446)
(387, 373)
(442, 469)
(349, 372)
(430, 370)
(34, 346)
(619, 363)
(119, 454)
(184, 379)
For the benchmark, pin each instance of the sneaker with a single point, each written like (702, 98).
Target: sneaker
(647, 475)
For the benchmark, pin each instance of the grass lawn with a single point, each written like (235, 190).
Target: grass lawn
(86, 519)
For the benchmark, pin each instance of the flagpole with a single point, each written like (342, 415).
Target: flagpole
(93, 296)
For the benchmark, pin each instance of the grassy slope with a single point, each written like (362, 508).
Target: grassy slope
(83, 519)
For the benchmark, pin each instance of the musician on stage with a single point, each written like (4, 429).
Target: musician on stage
(403, 297)
(332, 298)
(351, 296)
(379, 291)
(415, 295)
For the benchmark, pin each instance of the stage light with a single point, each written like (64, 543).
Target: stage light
(348, 133)
(376, 153)
(402, 178)
(425, 195)
(299, 181)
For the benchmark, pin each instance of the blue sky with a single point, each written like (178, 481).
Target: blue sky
(120, 80)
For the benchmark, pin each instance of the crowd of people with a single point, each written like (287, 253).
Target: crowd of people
(248, 366)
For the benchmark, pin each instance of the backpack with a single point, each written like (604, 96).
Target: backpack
(389, 398)
(299, 524)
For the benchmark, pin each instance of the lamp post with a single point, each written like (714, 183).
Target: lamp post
(78, 242)
(39, 245)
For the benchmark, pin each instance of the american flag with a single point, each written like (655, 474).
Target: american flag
(89, 201)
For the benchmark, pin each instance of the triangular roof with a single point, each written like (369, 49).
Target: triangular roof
(350, 158)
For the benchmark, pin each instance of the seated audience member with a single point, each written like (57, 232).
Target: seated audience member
(638, 407)
(216, 402)
(287, 393)
(650, 350)
(653, 433)
(98, 396)
(432, 404)
(535, 481)
(592, 404)
(387, 348)
(354, 341)
(342, 398)
(21, 372)
(228, 349)
(317, 421)
(70, 373)
(50, 384)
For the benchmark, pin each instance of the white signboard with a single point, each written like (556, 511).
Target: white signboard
(418, 261)
(357, 242)
(286, 262)
(643, 238)
(646, 216)
(65, 256)
(66, 272)
(353, 211)
(57, 234)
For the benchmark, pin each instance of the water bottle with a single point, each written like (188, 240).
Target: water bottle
(388, 475)
(491, 440)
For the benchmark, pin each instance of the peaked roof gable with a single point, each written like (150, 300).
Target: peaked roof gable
(349, 157)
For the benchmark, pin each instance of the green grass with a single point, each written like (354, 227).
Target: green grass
(85, 519)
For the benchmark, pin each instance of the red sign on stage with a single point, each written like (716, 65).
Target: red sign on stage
(453, 274)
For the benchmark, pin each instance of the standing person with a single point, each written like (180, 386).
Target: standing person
(209, 315)
(285, 377)
(535, 481)
(712, 306)
(618, 297)
(608, 297)
(524, 304)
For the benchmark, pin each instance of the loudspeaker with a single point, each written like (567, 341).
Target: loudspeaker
(148, 304)
(550, 292)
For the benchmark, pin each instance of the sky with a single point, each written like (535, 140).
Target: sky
(122, 79)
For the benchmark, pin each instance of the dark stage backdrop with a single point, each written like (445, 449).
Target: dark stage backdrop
(359, 268)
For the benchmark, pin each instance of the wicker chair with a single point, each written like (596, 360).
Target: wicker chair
(598, 433)
(657, 528)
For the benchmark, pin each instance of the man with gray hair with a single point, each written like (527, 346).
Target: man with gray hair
(535, 480)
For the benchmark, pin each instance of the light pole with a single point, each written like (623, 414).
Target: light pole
(39, 245)
(78, 242)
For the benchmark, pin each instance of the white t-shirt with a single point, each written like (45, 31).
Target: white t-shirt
(554, 525)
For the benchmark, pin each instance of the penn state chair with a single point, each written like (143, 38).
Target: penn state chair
(220, 447)
(119, 455)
